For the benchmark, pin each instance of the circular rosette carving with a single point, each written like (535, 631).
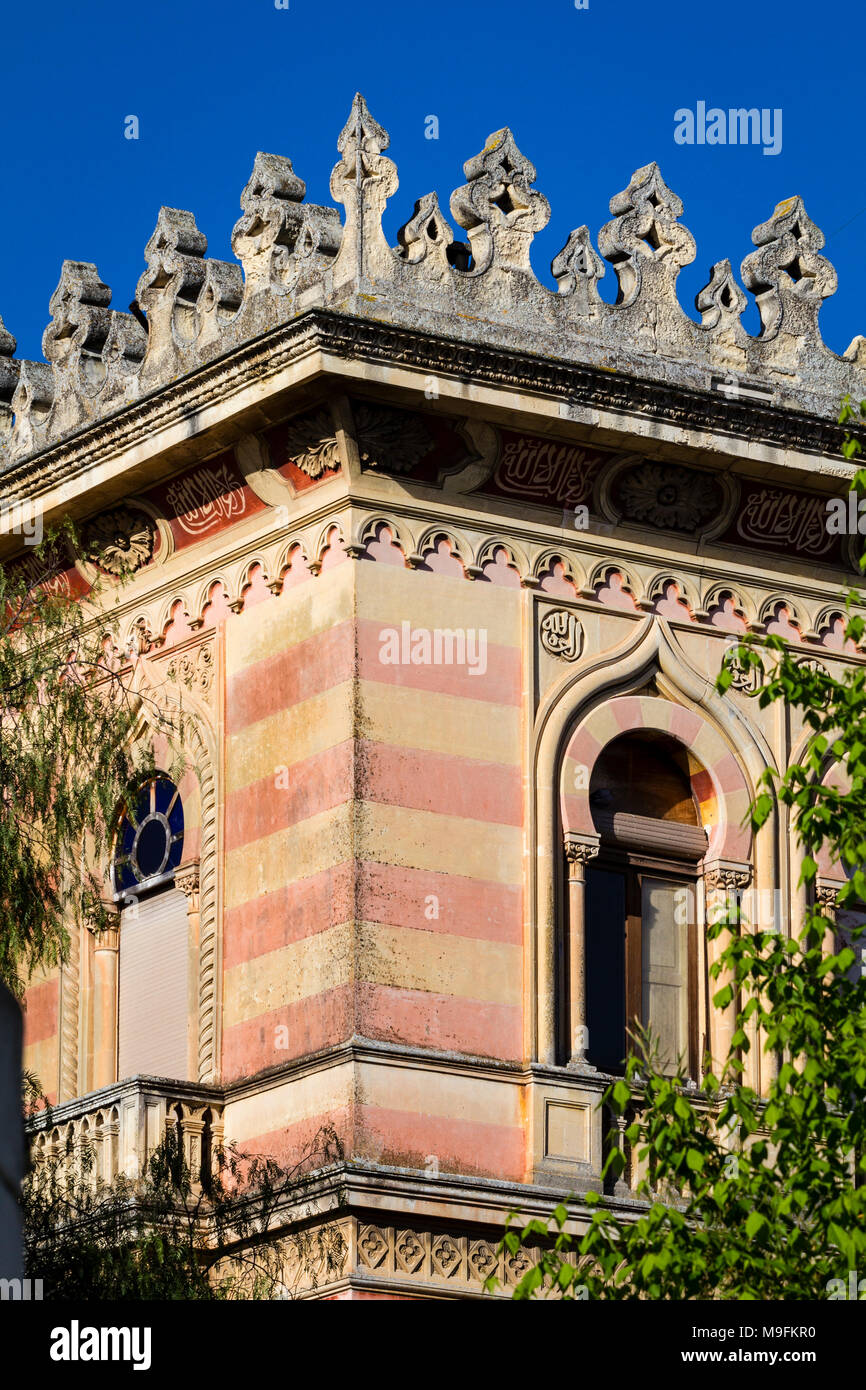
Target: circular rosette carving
(120, 541)
(668, 497)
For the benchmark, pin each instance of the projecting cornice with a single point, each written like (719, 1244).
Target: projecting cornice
(460, 309)
(322, 341)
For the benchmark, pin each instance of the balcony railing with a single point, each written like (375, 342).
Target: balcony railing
(120, 1126)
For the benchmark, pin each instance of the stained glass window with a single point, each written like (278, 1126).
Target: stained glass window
(149, 840)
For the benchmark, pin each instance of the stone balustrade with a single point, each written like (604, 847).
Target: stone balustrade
(120, 1126)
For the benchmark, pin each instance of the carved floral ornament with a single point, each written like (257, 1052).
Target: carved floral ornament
(120, 541)
(394, 440)
(194, 669)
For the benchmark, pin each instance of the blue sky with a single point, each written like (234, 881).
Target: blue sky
(590, 95)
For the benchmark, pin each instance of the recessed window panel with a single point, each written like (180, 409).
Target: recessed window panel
(605, 968)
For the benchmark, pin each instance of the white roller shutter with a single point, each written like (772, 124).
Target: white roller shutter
(153, 1003)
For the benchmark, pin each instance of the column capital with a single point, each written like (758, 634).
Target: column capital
(103, 923)
(727, 875)
(188, 879)
(579, 849)
(827, 892)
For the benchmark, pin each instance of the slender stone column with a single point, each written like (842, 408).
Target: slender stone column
(721, 880)
(188, 879)
(103, 1017)
(578, 851)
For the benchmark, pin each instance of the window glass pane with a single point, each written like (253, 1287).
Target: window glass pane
(605, 968)
(666, 910)
(151, 850)
(150, 841)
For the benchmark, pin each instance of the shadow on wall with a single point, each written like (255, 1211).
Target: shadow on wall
(12, 1145)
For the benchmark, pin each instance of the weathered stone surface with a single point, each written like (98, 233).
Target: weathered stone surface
(294, 256)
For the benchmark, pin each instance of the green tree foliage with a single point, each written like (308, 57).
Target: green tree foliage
(67, 760)
(751, 1197)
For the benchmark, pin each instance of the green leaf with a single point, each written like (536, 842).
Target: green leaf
(755, 1224)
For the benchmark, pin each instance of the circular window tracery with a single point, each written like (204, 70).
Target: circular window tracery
(149, 841)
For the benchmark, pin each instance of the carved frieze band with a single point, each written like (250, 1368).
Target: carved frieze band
(452, 1260)
(355, 339)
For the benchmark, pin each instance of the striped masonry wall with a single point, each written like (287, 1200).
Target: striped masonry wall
(287, 935)
(42, 1031)
(377, 892)
(440, 870)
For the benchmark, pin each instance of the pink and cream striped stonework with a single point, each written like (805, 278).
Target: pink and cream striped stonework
(396, 686)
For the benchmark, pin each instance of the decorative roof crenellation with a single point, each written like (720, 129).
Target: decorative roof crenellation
(292, 255)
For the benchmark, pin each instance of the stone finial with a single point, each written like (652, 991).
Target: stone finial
(9, 370)
(278, 232)
(721, 301)
(645, 238)
(86, 340)
(363, 181)
(787, 276)
(169, 287)
(577, 270)
(427, 237)
(31, 403)
(498, 206)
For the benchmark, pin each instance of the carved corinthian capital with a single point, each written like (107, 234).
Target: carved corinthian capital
(579, 849)
(188, 880)
(722, 877)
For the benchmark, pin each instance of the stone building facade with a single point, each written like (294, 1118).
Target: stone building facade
(442, 565)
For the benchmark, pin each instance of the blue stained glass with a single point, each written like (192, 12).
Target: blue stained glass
(149, 842)
(124, 878)
(151, 851)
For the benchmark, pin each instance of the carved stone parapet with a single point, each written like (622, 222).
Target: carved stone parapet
(295, 257)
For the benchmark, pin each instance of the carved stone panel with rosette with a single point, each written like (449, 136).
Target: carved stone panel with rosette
(120, 541)
(667, 497)
(393, 440)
